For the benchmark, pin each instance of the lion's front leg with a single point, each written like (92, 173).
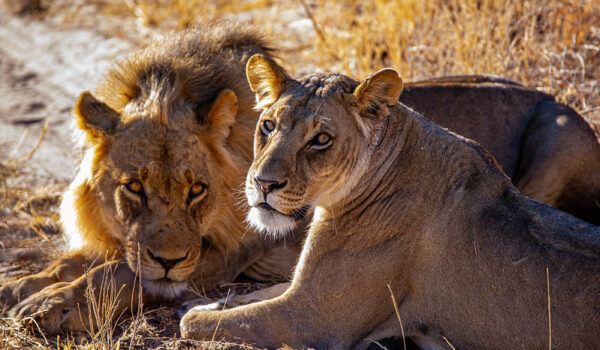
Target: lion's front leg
(59, 305)
(103, 293)
(66, 269)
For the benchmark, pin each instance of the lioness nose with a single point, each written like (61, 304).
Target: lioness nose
(268, 185)
(167, 263)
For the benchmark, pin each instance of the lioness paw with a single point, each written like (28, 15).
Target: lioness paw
(193, 324)
(200, 304)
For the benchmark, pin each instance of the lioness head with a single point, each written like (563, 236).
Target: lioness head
(164, 157)
(305, 153)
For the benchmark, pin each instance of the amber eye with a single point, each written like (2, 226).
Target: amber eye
(321, 140)
(267, 127)
(197, 189)
(135, 187)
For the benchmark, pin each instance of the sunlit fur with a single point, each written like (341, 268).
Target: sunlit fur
(176, 119)
(165, 89)
(431, 231)
(271, 223)
(287, 156)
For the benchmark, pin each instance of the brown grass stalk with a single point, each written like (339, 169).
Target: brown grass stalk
(398, 315)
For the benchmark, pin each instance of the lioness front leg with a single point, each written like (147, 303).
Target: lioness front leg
(269, 324)
(294, 319)
(107, 289)
(65, 269)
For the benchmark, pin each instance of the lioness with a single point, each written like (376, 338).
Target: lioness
(157, 188)
(546, 148)
(401, 206)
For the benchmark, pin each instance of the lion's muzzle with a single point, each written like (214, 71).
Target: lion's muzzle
(167, 264)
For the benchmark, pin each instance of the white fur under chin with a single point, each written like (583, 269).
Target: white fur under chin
(168, 290)
(270, 222)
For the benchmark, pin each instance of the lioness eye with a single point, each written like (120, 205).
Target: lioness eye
(197, 189)
(267, 126)
(135, 187)
(321, 140)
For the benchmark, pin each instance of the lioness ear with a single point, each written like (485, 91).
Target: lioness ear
(383, 87)
(222, 114)
(266, 78)
(94, 117)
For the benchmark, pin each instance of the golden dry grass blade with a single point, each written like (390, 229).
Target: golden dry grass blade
(398, 315)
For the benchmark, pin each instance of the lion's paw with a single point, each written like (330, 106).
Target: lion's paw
(52, 309)
(15, 291)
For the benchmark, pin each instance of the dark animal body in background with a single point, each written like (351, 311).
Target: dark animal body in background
(548, 150)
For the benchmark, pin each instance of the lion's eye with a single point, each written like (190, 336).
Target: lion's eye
(135, 187)
(267, 127)
(197, 189)
(321, 140)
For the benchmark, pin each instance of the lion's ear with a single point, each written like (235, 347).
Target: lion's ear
(222, 114)
(383, 87)
(267, 79)
(94, 117)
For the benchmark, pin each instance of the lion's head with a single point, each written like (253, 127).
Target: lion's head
(165, 155)
(306, 155)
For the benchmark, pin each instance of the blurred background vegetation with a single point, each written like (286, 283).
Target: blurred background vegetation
(552, 45)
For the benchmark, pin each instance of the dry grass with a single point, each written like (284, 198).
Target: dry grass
(28, 215)
(552, 45)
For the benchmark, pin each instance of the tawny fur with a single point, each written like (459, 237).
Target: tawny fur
(172, 116)
(429, 217)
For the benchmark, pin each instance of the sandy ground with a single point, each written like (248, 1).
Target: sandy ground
(43, 70)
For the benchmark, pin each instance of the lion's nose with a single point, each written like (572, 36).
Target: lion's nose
(168, 264)
(268, 185)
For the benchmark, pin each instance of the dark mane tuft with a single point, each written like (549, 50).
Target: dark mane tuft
(189, 67)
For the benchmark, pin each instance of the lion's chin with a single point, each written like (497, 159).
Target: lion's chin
(271, 222)
(164, 288)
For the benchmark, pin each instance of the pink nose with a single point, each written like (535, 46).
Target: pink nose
(268, 185)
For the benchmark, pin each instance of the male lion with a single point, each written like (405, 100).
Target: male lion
(157, 188)
(402, 206)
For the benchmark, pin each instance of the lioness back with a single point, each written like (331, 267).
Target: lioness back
(547, 149)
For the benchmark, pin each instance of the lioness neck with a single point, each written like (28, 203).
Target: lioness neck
(410, 145)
